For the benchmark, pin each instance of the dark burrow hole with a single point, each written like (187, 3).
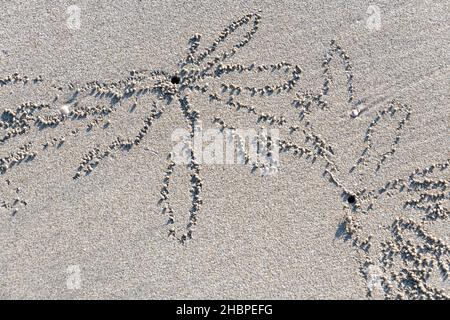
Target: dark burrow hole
(351, 199)
(175, 80)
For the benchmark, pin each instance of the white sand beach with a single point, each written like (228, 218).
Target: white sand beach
(347, 198)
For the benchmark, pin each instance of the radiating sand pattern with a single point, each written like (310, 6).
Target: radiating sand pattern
(409, 260)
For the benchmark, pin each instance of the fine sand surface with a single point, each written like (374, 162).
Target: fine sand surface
(357, 206)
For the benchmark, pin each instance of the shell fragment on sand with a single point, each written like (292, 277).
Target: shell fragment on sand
(65, 109)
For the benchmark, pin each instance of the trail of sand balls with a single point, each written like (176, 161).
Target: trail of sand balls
(321, 149)
(421, 253)
(419, 260)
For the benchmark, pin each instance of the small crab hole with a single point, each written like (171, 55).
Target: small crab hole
(351, 199)
(175, 80)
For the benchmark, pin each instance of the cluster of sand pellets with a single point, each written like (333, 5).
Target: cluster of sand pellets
(182, 233)
(256, 151)
(412, 261)
(95, 156)
(408, 255)
(199, 65)
(24, 153)
(393, 108)
(19, 79)
(371, 160)
(287, 85)
(336, 50)
(11, 200)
